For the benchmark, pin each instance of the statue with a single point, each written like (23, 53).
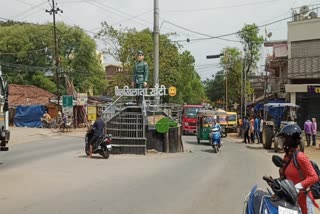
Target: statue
(140, 72)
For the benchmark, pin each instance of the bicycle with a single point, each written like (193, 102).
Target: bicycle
(56, 127)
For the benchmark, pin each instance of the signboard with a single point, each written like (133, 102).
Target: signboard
(147, 92)
(67, 101)
(82, 99)
(314, 89)
(92, 113)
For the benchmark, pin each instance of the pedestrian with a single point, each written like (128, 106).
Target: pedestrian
(246, 127)
(307, 131)
(314, 131)
(252, 130)
(261, 129)
(302, 178)
(257, 128)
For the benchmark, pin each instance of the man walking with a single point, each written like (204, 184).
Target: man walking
(307, 131)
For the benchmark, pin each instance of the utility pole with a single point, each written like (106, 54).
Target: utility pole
(53, 11)
(226, 73)
(156, 33)
(241, 94)
(245, 93)
(226, 76)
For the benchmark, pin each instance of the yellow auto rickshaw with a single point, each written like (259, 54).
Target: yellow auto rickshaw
(223, 121)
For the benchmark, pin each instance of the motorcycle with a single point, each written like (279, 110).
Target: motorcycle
(102, 146)
(284, 198)
(215, 139)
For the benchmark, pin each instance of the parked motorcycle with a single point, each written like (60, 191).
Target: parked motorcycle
(284, 198)
(102, 146)
(215, 139)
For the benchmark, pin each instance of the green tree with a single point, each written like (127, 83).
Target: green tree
(232, 64)
(215, 88)
(27, 56)
(176, 68)
(249, 37)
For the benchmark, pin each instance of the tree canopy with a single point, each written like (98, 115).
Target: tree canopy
(27, 57)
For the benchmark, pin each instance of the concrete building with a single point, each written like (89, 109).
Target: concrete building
(303, 87)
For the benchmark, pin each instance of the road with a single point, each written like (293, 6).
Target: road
(53, 176)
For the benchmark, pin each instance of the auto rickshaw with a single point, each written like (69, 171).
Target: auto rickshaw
(205, 119)
(223, 121)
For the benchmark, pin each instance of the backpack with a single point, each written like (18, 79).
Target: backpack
(315, 188)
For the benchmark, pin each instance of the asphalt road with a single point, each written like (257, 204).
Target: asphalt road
(54, 176)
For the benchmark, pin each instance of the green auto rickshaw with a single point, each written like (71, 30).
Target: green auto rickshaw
(205, 119)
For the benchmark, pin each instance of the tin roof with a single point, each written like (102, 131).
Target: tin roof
(28, 95)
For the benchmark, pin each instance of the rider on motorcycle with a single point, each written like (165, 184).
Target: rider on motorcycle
(98, 131)
(304, 178)
(215, 124)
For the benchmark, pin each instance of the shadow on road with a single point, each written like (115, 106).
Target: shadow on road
(272, 151)
(209, 151)
(254, 147)
(196, 143)
(93, 157)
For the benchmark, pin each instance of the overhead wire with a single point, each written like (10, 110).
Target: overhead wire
(237, 32)
(202, 34)
(28, 10)
(31, 51)
(221, 7)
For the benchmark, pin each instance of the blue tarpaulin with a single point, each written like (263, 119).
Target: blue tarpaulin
(29, 116)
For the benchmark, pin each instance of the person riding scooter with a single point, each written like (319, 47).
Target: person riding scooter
(98, 131)
(216, 125)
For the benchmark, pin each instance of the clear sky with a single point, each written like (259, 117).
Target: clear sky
(209, 17)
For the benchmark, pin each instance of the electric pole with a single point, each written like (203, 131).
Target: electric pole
(53, 11)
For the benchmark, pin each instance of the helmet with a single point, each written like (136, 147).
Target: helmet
(292, 135)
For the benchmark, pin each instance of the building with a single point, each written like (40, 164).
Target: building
(112, 70)
(303, 87)
(28, 95)
(276, 68)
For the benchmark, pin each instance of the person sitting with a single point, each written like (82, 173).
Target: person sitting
(98, 130)
(215, 124)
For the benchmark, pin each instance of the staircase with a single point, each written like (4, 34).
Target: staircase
(128, 132)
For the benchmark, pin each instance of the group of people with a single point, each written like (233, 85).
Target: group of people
(252, 129)
(310, 130)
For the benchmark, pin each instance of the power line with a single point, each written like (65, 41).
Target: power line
(220, 7)
(111, 10)
(202, 34)
(28, 10)
(235, 33)
(15, 53)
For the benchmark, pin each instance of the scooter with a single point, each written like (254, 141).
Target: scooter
(284, 198)
(102, 146)
(215, 139)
